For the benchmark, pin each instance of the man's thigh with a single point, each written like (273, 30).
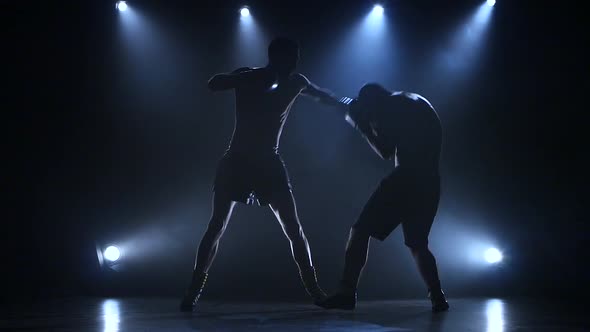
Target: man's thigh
(273, 185)
(420, 213)
(232, 178)
(383, 211)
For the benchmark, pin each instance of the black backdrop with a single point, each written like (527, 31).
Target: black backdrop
(111, 143)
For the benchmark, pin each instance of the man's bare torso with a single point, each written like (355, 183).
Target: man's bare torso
(263, 102)
(410, 123)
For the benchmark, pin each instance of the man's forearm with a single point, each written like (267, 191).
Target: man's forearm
(378, 146)
(363, 126)
(222, 81)
(225, 81)
(326, 97)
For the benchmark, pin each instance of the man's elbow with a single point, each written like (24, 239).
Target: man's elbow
(384, 153)
(387, 155)
(213, 83)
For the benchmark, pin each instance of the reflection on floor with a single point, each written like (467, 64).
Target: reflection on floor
(149, 314)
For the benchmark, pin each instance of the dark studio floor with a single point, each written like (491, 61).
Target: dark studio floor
(160, 314)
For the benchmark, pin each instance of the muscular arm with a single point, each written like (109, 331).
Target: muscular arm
(322, 95)
(226, 81)
(383, 150)
(377, 143)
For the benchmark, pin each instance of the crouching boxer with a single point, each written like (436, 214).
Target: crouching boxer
(404, 127)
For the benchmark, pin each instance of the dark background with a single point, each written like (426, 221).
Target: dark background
(113, 138)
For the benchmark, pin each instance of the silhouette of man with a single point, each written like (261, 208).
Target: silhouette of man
(252, 171)
(403, 126)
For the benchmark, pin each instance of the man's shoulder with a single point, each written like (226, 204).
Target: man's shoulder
(241, 70)
(409, 98)
(300, 80)
(300, 76)
(247, 69)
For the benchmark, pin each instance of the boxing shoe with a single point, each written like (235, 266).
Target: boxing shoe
(438, 300)
(310, 282)
(191, 297)
(345, 300)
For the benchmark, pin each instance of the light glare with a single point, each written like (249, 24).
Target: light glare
(110, 315)
(245, 12)
(112, 253)
(378, 10)
(493, 255)
(495, 315)
(491, 2)
(121, 6)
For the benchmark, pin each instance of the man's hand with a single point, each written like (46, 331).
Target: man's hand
(358, 118)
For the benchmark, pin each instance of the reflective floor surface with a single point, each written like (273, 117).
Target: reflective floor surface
(156, 314)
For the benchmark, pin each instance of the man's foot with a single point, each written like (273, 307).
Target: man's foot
(438, 300)
(317, 295)
(310, 282)
(191, 297)
(339, 300)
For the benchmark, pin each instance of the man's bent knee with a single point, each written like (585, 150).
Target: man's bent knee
(216, 226)
(293, 230)
(358, 234)
(417, 247)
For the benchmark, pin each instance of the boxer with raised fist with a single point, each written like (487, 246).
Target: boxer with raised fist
(252, 171)
(404, 127)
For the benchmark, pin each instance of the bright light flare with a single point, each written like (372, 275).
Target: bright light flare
(492, 256)
(245, 12)
(112, 253)
(121, 6)
(491, 2)
(110, 315)
(378, 10)
(495, 315)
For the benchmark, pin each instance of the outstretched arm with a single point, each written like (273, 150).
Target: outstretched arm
(226, 81)
(322, 95)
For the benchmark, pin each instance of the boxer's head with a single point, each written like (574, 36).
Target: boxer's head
(373, 92)
(371, 97)
(283, 54)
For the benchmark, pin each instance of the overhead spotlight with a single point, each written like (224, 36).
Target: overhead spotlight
(112, 253)
(491, 2)
(121, 6)
(492, 256)
(378, 10)
(245, 12)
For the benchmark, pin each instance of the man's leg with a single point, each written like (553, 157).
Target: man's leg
(378, 219)
(355, 258)
(222, 209)
(357, 250)
(426, 266)
(416, 226)
(284, 208)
